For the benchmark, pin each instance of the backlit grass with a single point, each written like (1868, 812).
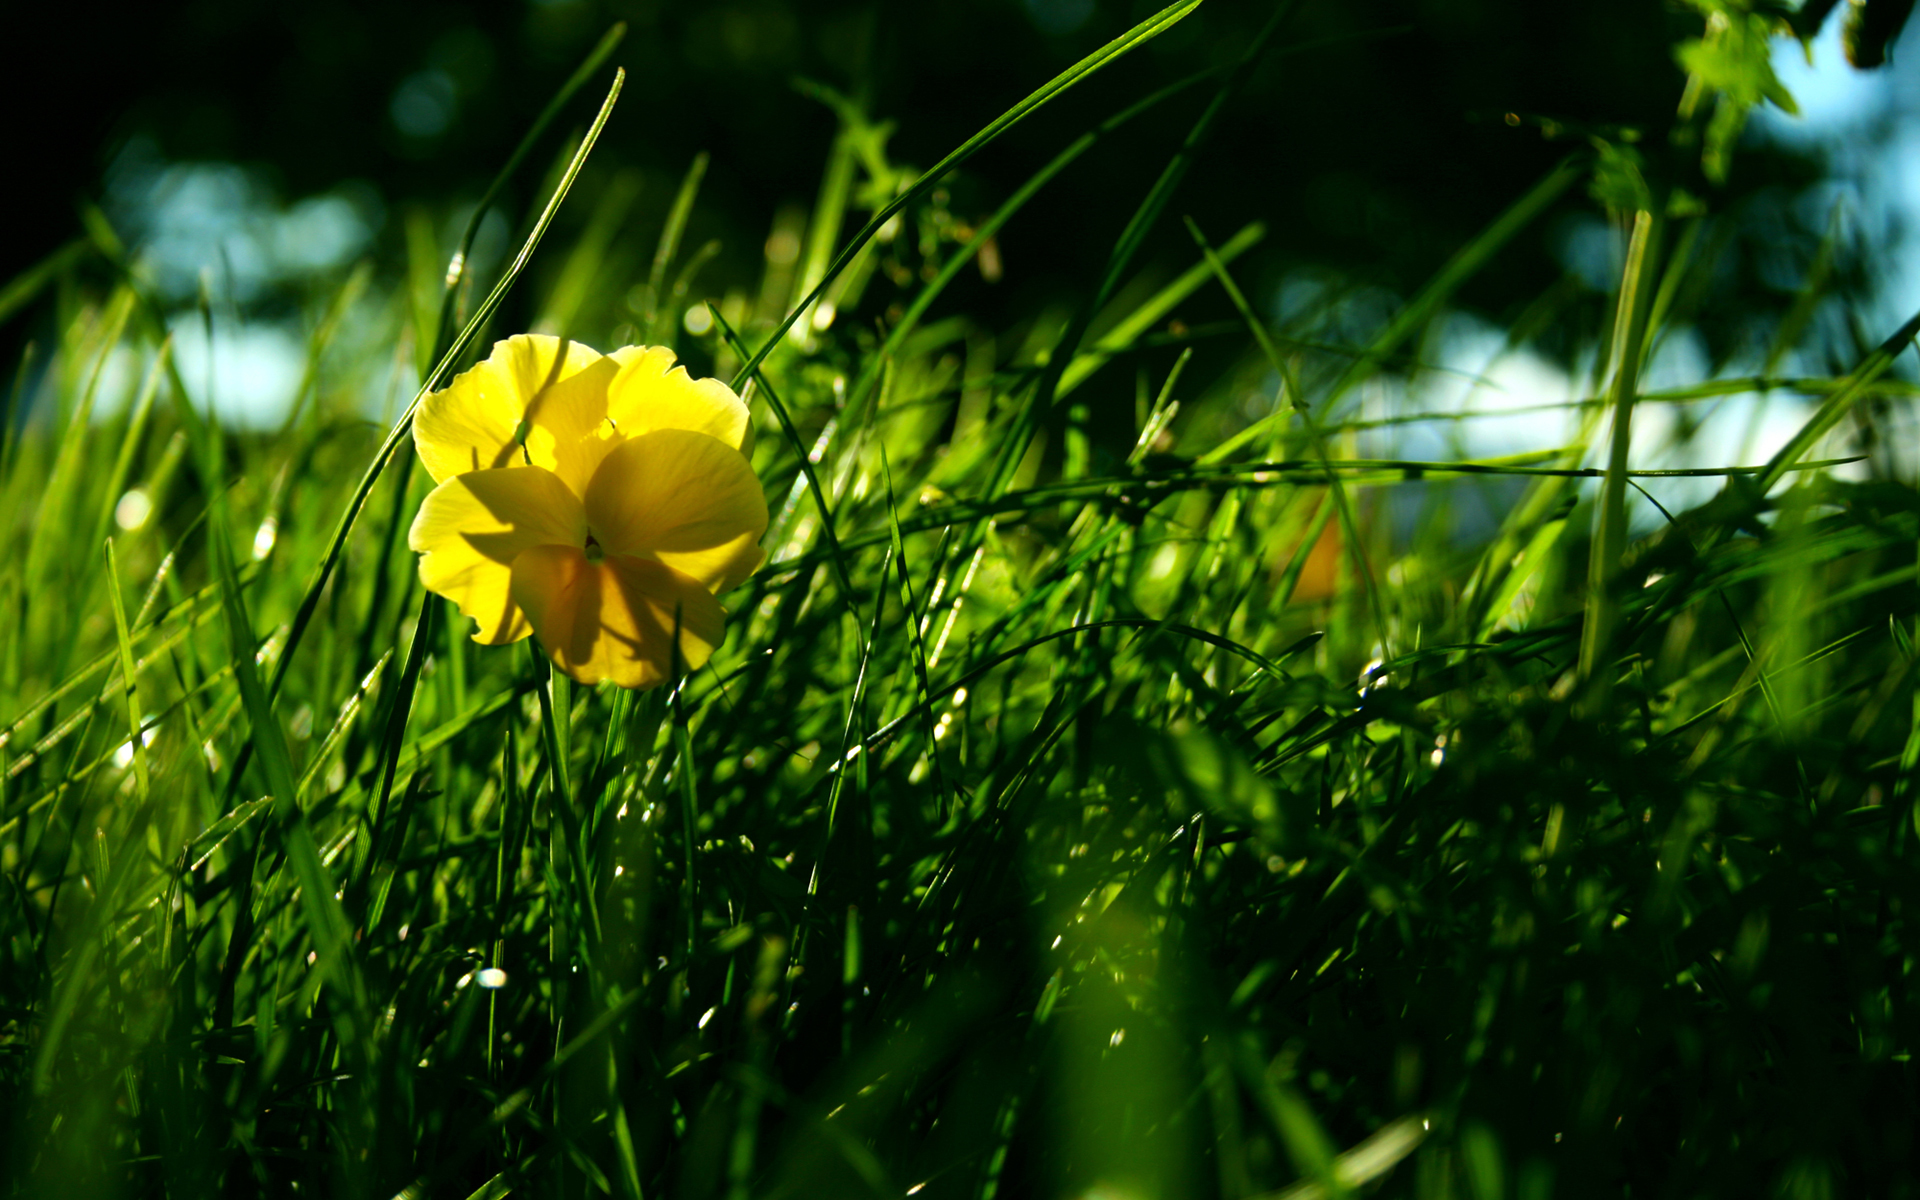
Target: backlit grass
(1105, 790)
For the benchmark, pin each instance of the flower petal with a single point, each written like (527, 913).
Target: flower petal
(651, 393)
(688, 499)
(471, 528)
(615, 619)
(474, 423)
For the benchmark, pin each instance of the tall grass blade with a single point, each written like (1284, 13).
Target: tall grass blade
(1610, 530)
(1139, 35)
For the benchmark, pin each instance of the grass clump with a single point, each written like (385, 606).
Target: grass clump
(1080, 806)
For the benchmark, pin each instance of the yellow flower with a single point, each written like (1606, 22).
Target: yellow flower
(598, 501)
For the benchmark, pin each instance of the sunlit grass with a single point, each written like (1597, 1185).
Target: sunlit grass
(1105, 790)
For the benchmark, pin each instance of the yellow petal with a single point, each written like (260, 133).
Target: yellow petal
(690, 500)
(474, 423)
(471, 528)
(615, 619)
(651, 393)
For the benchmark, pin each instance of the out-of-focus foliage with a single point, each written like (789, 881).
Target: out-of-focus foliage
(1376, 139)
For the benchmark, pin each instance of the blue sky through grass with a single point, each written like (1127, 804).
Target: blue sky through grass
(1867, 123)
(1867, 126)
(219, 229)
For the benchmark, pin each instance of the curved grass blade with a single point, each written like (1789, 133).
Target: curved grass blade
(1120, 259)
(1461, 267)
(343, 529)
(800, 451)
(892, 729)
(1342, 505)
(130, 444)
(1837, 405)
(457, 266)
(910, 320)
(1139, 35)
(325, 919)
(1610, 532)
(136, 743)
(669, 247)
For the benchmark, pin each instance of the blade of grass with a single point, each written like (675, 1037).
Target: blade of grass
(1610, 532)
(343, 527)
(805, 459)
(1837, 405)
(130, 444)
(1129, 330)
(326, 921)
(22, 288)
(457, 266)
(1462, 266)
(958, 261)
(1135, 37)
(136, 742)
(1342, 506)
(669, 245)
(400, 707)
(1120, 259)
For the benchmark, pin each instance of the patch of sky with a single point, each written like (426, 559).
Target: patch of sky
(265, 267)
(1488, 398)
(1866, 125)
(1588, 248)
(1485, 399)
(247, 373)
(222, 223)
(1480, 397)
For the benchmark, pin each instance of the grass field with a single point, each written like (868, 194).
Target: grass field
(1181, 805)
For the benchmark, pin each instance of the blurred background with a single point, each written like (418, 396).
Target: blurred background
(253, 154)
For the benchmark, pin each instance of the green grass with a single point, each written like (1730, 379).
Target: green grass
(1095, 796)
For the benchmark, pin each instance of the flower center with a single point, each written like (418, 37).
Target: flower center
(594, 552)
